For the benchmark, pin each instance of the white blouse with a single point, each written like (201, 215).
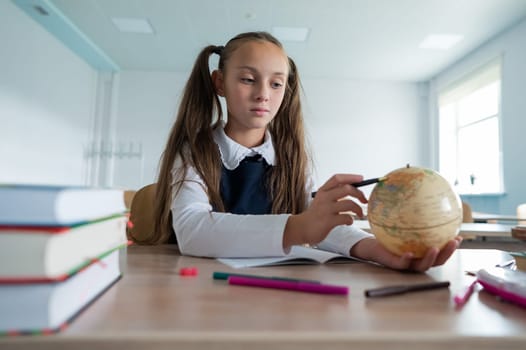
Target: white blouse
(203, 232)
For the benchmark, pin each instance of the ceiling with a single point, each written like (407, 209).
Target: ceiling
(355, 39)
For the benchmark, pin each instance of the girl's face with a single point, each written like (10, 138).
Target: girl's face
(253, 83)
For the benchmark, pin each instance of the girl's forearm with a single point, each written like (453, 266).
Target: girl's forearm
(292, 232)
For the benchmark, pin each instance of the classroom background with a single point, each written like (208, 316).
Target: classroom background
(63, 121)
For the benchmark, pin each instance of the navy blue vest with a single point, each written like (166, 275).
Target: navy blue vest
(244, 190)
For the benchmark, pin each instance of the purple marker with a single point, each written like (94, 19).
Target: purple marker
(289, 285)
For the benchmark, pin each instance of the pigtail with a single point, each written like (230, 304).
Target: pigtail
(289, 177)
(191, 141)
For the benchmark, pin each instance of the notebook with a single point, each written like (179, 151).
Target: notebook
(298, 255)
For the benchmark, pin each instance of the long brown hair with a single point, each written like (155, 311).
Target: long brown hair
(192, 142)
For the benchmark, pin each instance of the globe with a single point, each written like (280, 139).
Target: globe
(414, 209)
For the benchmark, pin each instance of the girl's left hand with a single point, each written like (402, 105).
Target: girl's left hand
(372, 250)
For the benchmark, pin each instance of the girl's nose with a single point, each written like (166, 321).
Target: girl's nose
(262, 94)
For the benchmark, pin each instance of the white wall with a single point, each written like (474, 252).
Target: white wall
(47, 97)
(147, 105)
(512, 46)
(365, 127)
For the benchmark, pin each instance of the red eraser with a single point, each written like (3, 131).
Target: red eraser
(189, 271)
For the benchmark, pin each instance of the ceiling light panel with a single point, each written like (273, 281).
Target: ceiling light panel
(440, 41)
(133, 25)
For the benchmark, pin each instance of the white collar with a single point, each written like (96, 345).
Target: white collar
(232, 153)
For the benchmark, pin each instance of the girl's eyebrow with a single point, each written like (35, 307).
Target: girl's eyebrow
(254, 70)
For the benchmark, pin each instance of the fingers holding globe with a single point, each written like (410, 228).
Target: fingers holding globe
(414, 209)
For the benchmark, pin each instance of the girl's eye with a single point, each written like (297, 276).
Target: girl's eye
(276, 85)
(247, 80)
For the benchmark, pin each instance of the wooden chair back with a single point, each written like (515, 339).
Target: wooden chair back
(521, 213)
(467, 213)
(141, 213)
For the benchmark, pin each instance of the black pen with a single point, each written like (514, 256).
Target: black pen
(363, 183)
(401, 289)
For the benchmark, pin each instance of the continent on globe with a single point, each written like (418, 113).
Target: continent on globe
(414, 209)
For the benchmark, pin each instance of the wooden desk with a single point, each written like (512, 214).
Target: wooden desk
(487, 217)
(485, 230)
(466, 229)
(152, 307)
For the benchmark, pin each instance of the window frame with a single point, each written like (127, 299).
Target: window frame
(450, 96)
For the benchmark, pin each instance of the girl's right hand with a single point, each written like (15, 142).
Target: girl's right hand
(327, 210)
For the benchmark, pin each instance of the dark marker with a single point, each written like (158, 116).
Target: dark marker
(363, 183)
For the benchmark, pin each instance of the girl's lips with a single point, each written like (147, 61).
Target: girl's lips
(260, 111)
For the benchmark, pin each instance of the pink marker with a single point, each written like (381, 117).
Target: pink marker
(463, 297)
(289, 285)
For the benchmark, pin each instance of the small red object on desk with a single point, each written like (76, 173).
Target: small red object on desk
(188, 271)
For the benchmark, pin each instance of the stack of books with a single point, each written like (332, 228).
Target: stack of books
(59, 250)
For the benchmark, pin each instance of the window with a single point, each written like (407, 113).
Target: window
(469, 132)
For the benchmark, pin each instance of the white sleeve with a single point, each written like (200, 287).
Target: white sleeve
(203, 232)
(342, 238)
